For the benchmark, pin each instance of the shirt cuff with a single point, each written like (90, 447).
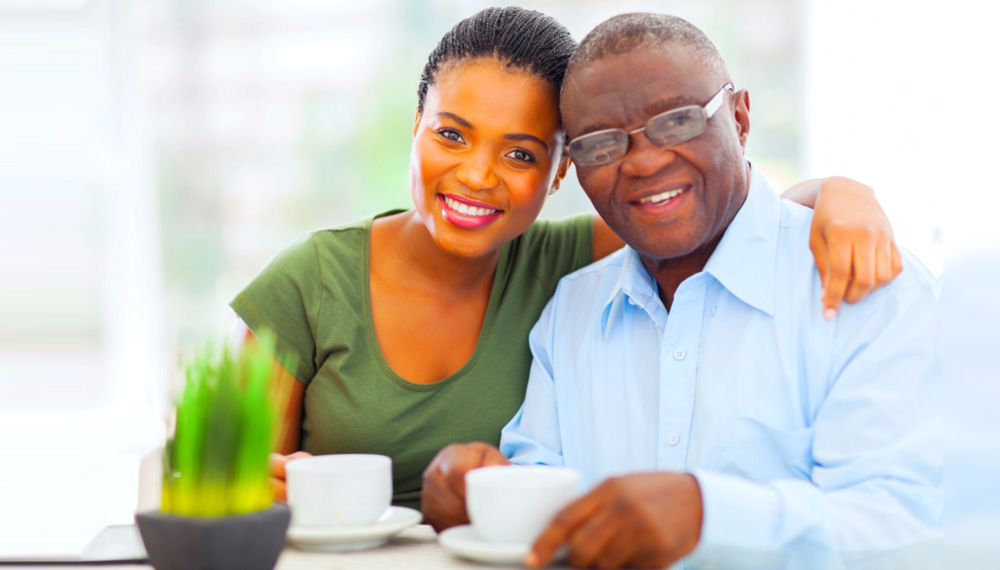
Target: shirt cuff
(736, 513)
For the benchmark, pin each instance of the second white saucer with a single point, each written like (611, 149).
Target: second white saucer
(345, 538)
(465, 542)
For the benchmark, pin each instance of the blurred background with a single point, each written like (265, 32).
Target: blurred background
(154, 155)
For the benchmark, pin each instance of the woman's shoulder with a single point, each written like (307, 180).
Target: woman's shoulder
(559, 246)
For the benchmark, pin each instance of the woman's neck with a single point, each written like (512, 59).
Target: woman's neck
(419, 257)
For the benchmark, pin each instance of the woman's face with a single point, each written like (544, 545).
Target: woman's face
(486, 150)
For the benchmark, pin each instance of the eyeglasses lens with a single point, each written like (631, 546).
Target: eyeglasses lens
(599, 148)
(676, 126)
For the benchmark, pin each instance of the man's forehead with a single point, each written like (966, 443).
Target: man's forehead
(649, 79)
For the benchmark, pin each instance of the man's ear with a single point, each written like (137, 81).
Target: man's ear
(561, 171)
(416, 122)
(741, 114)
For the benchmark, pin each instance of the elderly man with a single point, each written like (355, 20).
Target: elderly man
(692, 372)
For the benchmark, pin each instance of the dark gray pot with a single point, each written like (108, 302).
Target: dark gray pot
(243, 542)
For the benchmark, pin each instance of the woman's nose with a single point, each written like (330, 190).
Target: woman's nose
(478, 172)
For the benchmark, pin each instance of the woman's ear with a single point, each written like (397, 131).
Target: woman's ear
(416, 122)
(560, 174)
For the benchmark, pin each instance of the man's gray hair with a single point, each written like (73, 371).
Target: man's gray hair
(627, 32)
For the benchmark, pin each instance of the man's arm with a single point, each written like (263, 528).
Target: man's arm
(532, 436)
(877, 449)
(875, 488)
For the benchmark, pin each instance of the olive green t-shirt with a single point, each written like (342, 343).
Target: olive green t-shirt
(314, 296)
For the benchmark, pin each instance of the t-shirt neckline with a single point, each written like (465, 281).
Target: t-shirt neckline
(484, 332)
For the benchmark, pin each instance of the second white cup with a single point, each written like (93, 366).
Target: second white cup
(514, 504)
(339, 490)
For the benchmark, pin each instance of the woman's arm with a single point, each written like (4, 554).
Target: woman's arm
(287, 393)
(851, 239)
(606, 241)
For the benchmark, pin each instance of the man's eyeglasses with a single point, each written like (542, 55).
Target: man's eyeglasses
(666, 129)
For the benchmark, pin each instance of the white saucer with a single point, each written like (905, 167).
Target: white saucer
(345, 538)
(465, 542)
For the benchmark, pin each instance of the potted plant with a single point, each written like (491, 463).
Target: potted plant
(218, 511)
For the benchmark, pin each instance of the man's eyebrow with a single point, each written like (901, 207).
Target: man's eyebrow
(457, 119)
(670, 103)
(526, 137)
(654, 108)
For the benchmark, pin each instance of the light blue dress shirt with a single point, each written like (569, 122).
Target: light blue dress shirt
(813, 441)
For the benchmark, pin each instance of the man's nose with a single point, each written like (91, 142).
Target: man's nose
(644, 158)
(478, 172)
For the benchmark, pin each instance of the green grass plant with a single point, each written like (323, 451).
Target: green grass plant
(216, 462)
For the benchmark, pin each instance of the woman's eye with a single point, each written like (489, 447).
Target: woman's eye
(521, 155)
(451, 135)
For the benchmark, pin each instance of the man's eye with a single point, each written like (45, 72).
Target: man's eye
(679, 120)
(451, 135)
(521, 155)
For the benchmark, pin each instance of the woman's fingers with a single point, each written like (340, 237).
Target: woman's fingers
(838, 276)
(863, 281)
(278, 462)
(278, 489)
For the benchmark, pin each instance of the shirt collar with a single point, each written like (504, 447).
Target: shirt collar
(743, 262)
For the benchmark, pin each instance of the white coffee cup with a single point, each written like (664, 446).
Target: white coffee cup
(514, 504)
(338, 490)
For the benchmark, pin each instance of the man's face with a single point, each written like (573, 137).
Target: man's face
(664, 202)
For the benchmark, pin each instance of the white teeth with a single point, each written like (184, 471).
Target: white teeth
(662, 197)
(467, 210)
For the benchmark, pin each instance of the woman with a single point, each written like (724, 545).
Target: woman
(409, 330)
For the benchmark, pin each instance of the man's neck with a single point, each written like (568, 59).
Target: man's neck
(670, 273)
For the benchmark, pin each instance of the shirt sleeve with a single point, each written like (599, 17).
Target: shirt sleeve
(285, 298)
(877, 452)
(560, 246)
(532, 435)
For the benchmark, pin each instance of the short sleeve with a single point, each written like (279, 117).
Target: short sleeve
(286, 298)
(560, 247)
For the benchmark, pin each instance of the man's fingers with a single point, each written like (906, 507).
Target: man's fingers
(439, 502)
(838, 274)
(594, 538)
(863, 281)
(561, 528)
(493, 457)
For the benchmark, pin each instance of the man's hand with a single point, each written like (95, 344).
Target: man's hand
(278, 461)
(443, 497)
(646, 520)
(851, 240)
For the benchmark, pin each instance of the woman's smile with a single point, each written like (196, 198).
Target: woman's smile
(467, 214)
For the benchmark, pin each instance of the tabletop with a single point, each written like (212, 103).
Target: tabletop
(415, 549)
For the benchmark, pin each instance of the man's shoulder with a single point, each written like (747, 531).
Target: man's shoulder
(601, 274)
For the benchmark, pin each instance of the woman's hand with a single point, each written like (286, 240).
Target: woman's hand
(851, 240)
(278, 461)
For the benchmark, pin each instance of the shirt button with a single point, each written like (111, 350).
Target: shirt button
(673, 439)
(713, 310)
(679, 354)
(631, 301)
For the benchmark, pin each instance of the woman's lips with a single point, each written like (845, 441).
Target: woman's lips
(466, 215)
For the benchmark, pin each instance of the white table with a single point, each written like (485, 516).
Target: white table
(413, 549)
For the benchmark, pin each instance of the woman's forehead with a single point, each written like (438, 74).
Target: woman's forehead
(495, 94)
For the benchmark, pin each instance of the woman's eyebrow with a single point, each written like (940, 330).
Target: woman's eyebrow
(457, 119)
(526, 137)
